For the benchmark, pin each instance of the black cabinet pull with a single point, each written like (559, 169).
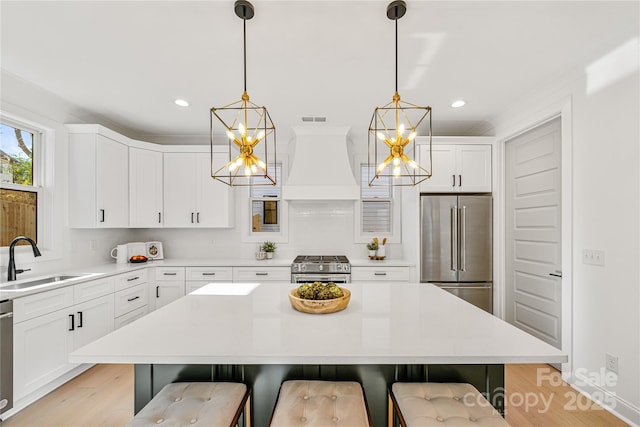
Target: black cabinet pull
(73, 322)
(169, 274)
(459, 180)
(262, 274)
(198, 217)
(101, 215)
(191, 217)
(157, 291)
(133, 278)
(454, 180)
(79, 319)
(379, 273)
(133, 299)
(208, 274)
(159, 217)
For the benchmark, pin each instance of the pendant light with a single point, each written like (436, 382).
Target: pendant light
(249, 130)
(393, 130)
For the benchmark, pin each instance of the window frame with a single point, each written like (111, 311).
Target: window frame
(246, 211)
(43, 168)
(395, 233)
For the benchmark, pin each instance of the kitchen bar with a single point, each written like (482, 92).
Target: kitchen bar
(249, 332)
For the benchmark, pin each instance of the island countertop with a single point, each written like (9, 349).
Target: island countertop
(385, 323)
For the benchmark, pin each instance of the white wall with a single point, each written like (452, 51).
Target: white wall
(604, 123)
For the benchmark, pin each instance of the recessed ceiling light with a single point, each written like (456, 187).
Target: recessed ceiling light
(459, 103)
(181, 102)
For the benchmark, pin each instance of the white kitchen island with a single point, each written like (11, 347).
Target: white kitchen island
(249, 332)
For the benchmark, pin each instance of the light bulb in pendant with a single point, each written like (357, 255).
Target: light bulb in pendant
(413, 164)
(396, 171)
(381, 136)
(396, 161)
(411, 136)
(230, 134)
(241, 129)
(401, 129)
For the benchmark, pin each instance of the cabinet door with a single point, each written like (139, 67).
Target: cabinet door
(444, 168)
(213, 197)
(145, 188)
(41, 346)
(93, 319)
(179, 189)
(168, 291)
(473, 163)
(112, 183)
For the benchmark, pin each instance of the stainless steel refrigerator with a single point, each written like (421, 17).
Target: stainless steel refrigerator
(456, 245)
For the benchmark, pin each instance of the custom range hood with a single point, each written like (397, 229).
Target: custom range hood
(320, 168)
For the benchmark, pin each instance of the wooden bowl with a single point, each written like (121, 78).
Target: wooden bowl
(323, 306)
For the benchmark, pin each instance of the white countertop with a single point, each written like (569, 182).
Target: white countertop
(109, 269)
(385, 323)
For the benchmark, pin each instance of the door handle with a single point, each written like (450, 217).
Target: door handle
(131, 279)
(463, 240)
(191, 217)
(6, 316)
(558, 273)
(73, 322)
(170, 274)
(101, 215)
(459, 180)
(454, 238)
(453, 183)
(79, 319)
(157, 291)
(159, 217)
(380, 273)
(198, 217)
(208, 274)
(262, 274)
(133, 299)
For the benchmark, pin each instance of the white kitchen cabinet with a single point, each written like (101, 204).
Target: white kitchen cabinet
(145, 188)
(191, 197)
(458, 168)
(197, 277)
(48, 326)
(261, 274)
(383, 273)
(168, 285)
(98, 178)
(130, 299)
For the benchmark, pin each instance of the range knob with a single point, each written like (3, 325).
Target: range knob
(303, 267)
(320, 267)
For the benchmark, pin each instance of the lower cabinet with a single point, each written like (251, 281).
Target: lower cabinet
(197, 277)
(168, 285)
(42, 343)
(261, 274)
(387, 274)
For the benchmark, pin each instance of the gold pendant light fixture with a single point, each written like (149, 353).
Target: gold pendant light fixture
(249, 129)
(393, 130)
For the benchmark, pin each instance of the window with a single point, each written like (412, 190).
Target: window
(376, 202)
(265, 203)
(19, 181)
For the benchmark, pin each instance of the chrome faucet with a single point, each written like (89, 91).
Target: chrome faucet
(11, 275)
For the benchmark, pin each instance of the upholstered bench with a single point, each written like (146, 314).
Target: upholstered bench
(437, 404)
(320, 404)
(217, 404)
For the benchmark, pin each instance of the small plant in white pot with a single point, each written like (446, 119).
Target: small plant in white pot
(373, 247)
(269, 248)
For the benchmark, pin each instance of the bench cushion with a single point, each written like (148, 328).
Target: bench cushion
(198, 403)
(444, 404)
(320, 404)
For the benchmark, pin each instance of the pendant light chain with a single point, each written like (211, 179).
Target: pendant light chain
(244, 37)
(396, 51)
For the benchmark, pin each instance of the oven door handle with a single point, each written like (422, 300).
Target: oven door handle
(306, 278)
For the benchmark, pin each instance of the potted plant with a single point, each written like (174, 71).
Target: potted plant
(373, 247)
(269, 248)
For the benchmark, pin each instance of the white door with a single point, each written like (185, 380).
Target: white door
(112, 182)
(533, 232)
(145, 188)
(93, 320)
(212, 199)
(179, 189)
(443, 168)
(473, 165)
(168, 291)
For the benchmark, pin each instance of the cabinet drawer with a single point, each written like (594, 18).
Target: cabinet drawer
(36, 305)
(388, 274)
(124, 281)
(130, 299)
(93, 289)
(211, 274)
(169, 273)
(129, 317)
(253, 274)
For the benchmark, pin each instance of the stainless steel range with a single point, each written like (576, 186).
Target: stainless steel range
(321, 268)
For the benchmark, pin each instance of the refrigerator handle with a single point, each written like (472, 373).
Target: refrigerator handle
(463, 239)
(454, 238)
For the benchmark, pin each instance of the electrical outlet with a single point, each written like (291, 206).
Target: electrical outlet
(593, 257)
(611, 362)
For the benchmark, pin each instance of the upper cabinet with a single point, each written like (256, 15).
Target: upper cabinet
(98, 178)
(458, 168)
(145, 188)
(192, 198)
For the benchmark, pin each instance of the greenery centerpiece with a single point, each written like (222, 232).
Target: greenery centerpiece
(269, 248)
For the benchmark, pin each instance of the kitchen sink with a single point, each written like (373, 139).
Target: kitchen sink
(38, 282)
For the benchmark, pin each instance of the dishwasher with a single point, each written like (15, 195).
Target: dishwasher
(6, 356)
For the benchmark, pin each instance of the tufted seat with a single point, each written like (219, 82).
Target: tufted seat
(442, 404)
(320, 404)
(217, 404)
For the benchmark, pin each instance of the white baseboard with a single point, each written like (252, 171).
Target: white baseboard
(22, 403)
(619, 407)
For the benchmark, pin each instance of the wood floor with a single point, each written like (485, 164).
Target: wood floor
(103, 397)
